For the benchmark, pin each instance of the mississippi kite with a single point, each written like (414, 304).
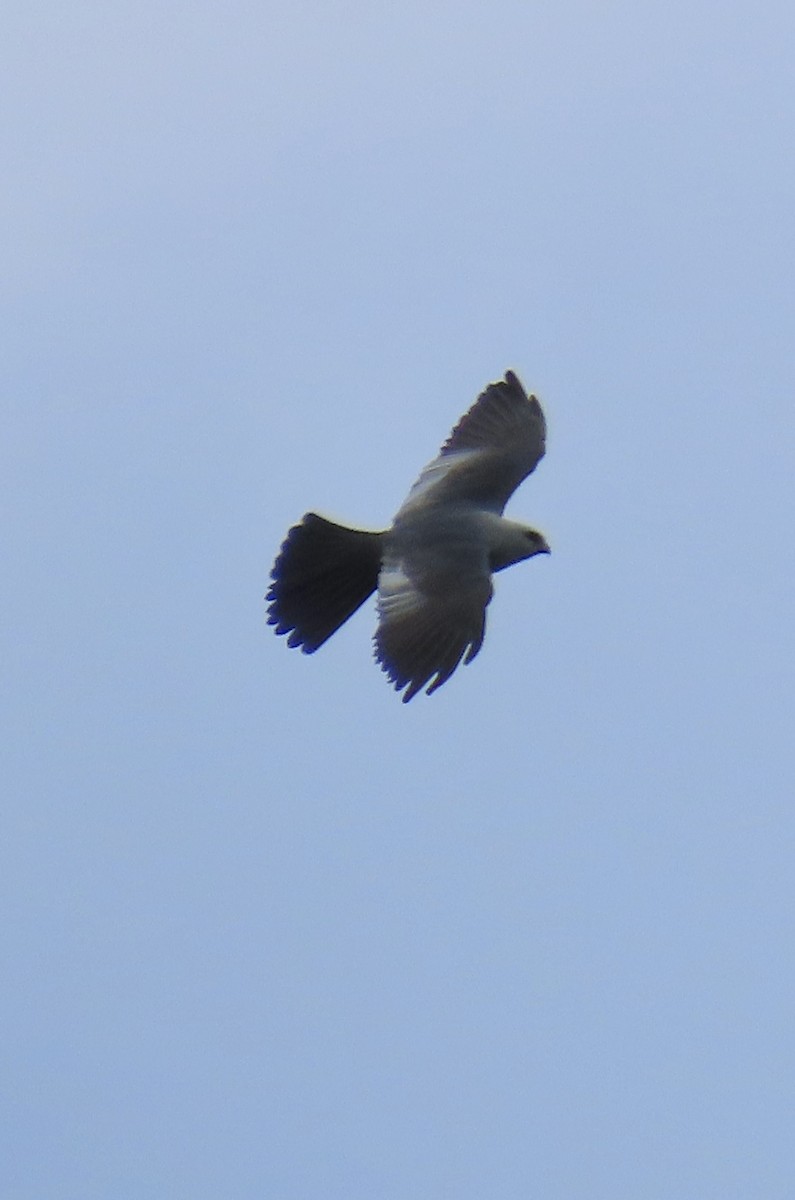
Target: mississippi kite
(433, 567)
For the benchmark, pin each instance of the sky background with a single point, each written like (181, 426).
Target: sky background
(267, 932)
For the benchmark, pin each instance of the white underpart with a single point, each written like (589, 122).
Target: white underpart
(397, 595)
(434, 473)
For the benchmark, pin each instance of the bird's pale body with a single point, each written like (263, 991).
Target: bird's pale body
(432, 568)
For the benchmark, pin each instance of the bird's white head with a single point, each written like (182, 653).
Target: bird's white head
(512, 542)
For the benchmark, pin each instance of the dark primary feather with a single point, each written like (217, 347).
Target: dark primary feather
(502, 415)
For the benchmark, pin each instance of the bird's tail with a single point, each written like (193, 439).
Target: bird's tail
(323, 573)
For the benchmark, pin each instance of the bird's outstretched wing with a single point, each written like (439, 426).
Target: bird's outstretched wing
(490, 451)
(423, 635)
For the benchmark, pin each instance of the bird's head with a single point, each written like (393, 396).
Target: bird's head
(535, 542)
(515, 542)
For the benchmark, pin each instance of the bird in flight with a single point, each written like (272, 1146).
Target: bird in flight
(433, 567)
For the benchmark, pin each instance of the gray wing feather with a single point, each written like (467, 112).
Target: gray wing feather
(425, 645)
(494, 446)
(423, 635)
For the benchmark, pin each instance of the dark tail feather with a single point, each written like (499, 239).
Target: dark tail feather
(323, 573)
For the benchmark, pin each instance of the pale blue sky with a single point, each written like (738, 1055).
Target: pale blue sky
(268, 933)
